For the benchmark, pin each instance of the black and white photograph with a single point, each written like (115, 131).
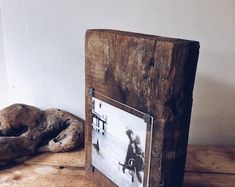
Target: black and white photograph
(118, 144)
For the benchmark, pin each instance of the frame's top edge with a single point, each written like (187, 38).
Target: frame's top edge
(147, 36)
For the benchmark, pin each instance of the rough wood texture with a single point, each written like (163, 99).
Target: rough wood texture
(52, 169)
(75, 158)
(154, 75)
(211, 159)
(25, 130)
(44, 176)
(208, 180)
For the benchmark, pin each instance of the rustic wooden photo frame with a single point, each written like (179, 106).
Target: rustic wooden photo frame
(154, 75)
(126, 168)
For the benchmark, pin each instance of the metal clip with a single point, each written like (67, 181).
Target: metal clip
(92, 168)
(147, 119)
(92, 92)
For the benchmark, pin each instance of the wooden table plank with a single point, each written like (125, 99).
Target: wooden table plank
(43, 176)
(213, 159)
(208, 180)
(216, 159)
(70, 159)
(205, 167)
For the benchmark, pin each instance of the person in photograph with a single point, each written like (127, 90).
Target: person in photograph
(134, 160)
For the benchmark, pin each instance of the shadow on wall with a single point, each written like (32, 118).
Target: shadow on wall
(4, 93)
(213, 112)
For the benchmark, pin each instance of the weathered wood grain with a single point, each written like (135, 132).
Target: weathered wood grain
(46, 170)
(208, 180)
(74, 158)
(44, 176)
(211, 159)
(200, 158)
(26, 130)
(154, 75)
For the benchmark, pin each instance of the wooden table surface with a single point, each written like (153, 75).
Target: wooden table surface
(207, 166)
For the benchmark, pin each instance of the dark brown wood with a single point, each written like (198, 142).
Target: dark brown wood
(154, 75)
(25, 130)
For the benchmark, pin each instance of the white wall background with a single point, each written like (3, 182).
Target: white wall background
(3, 72)
(44, 52)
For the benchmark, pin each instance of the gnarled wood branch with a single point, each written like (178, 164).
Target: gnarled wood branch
(25, 130)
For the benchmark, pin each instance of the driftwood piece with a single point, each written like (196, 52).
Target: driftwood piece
(154, 75)
(25, 130)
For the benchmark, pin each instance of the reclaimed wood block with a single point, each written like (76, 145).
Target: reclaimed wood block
(154, 75)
